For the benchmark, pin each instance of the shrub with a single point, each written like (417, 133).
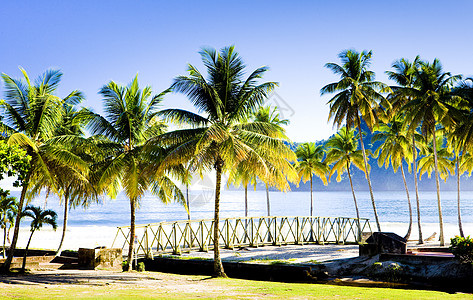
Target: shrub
(140, 267)
(462, 248)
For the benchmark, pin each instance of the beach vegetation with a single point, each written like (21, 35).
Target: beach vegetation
(39, 218)
(221, 137)
(404, 75)
(462, 248)
(31, 114)
(357, 98)
(8, 211)
(310, 162)
(133, 161)
(342, 153)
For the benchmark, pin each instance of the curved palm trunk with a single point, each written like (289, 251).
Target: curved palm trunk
(367, 175)
(246, 200)
(188, 204)
(409, 230)
(218, 266)
(132, 234)
(23, 265)
(16, 230)
(414, 151)
(356, 204)
(437, 184)
(460, 227)
(267, 200)
(64, 227)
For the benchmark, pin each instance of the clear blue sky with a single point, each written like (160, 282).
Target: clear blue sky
(93, 42)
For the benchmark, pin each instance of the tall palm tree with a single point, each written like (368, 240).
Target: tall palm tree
(271, 115)
(130, 121)
(431, 99)
(310, 163)
(222, 137)
(342, 153)
(40, 217)
(242, 174)
(404, 75)
(31, 115)
(358, 97)
(460, 138)
(395, 148)
(8, 207)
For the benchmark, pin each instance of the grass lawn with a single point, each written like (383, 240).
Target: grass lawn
(170, 286)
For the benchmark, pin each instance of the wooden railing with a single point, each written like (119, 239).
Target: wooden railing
(197, 235)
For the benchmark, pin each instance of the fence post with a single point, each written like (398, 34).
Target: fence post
(176, 247)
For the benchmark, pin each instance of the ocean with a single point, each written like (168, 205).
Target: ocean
(391, 205)
(96, 226)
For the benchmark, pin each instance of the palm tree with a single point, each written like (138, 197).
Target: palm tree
(242, 174)
(40, 217)
(129, 123)
(460, 139)
(445, 165)
(342, 152)
(404, 75)
(395, 148)
(310, 163)
(31, 115)
(8, 207)
(431, 99)
(270, 115)
(222, 138)
(358, 97)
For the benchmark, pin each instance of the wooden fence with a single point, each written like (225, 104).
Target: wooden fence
(197, 235)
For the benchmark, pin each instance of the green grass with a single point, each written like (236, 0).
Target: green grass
(190, 287)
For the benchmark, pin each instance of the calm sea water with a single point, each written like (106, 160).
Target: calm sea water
(392, 207)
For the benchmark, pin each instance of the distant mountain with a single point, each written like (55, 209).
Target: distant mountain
(381, 179)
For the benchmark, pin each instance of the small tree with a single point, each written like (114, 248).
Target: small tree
(8, 207)
(39, 217)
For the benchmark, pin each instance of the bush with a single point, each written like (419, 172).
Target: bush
(462, 248)
(141, 267)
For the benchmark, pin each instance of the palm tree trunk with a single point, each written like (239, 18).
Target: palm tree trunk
(356, 204)
(409, 230)
(437, 184)
(267, 200)
(64, 227)
(218, 266)
(4, 235)
(311, 198)
(16, 230)
(23, 265)
(246, 200)
(188, 204)
(132, 234)
(367, 174)
(458, 197)
(414, 151)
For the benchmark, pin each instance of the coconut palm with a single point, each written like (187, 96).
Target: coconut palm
(404, 75)
(39, 217)
(31, 115)
(309, 163)
(8, 206)
(342, 152)
(271, 115)
(431, 99)
(358, 97)
(244, 175)
(395, 148)
(460, 139)
(222, 137)
(130, 121)
(444, 159)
